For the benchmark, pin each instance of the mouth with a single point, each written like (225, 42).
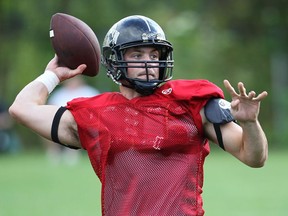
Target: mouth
(144, 75)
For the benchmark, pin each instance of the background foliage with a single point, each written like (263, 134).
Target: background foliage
(239, 40)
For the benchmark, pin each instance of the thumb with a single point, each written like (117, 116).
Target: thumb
(78, 70)
(235, 103)
(82, 67)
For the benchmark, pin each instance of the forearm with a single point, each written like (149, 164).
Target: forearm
(255, 146)
(33, 95)
(30, 110)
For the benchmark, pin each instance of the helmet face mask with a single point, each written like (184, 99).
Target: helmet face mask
(135, 31)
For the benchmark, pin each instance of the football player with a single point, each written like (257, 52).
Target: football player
(147, 143)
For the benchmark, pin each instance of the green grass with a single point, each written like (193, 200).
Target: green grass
(29, 186)
(231, 188)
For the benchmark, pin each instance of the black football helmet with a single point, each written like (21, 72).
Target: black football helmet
(134, 31)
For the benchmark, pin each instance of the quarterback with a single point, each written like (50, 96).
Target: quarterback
(147, 143)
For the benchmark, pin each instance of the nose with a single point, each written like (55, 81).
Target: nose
(148, 60)
(146, 57)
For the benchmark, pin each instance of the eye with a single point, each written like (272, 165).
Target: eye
(154, 55)
(135, 55)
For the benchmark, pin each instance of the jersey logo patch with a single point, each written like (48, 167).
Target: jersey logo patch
(157, 142)
(217, 110)
(167, 91)
(224, 104)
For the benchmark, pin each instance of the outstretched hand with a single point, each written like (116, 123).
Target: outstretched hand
(62, 72)
(244, 107)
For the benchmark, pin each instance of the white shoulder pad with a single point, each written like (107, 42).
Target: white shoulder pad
(217, 111)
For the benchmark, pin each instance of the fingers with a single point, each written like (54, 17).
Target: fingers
(234, 104)
(251, 95)
(243, 93)
(261, 96)
(242, 89)
(53, 63)
(229, 88)
(82, 67)
(78, 70)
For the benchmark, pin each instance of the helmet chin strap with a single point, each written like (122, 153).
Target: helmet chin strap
(145, 88)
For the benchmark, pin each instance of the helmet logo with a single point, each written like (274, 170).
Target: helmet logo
(114, 37)
(146, 37)
(118, 74)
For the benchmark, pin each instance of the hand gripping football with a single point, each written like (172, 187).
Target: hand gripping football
(75, 43)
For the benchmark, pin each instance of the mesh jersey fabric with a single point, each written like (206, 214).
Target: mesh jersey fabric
(148, 152)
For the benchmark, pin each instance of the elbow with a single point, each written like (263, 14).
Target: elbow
(15, 111)
(258, 158)
(258, 163)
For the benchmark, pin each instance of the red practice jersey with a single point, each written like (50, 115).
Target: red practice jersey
(148, 152)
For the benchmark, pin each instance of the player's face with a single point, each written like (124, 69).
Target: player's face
(143, 54)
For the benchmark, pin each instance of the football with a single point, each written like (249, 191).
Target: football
(75, 43)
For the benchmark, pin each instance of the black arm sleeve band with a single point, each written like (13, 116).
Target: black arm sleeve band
(217, 111)
(55, 127)
(55, 124)
(219, 135)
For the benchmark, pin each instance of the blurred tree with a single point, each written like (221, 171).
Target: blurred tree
(238, 40)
